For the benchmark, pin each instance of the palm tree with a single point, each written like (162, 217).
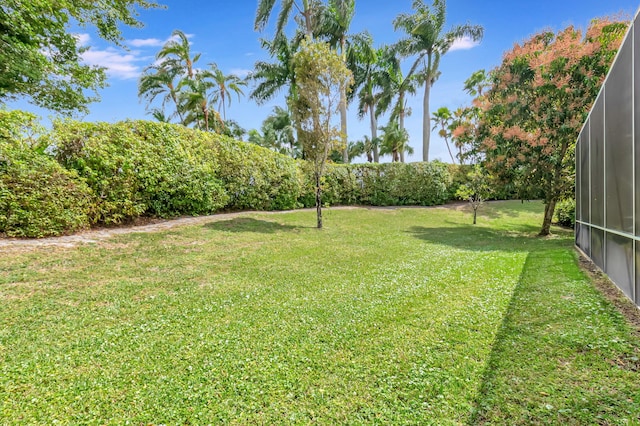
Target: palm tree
(443, 119)
(333, 26)
(427, 39)
(161, 80)
(307, 10)
(198, 97)
(395, 86)
(223, 85)
(394, 141)
(365, 63)
(178, 51)
(272, 77)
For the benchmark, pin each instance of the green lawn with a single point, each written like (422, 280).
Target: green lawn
(387, 316)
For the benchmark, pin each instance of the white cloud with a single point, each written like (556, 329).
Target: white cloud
(154, 42)
(240, 72)
(118, 65)
(146, 42)
(83, 39)
(464, 43)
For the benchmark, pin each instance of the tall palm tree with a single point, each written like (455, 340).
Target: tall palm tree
(223, 85)
(178, 51)
(307, 10)
(333, 26)
(427, 38)
(395, 87)
(273, 77)
(365, 64)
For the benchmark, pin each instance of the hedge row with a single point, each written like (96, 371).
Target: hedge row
(82, 174)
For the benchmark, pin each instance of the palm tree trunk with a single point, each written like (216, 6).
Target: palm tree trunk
(343, 108)
(374, 134)
(306, 13)
(401, 155)
(426, 121)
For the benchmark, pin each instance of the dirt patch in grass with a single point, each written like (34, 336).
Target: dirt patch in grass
(602, 282)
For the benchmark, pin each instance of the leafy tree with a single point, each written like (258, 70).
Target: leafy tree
(320, 74)
(541, 95)
(40, 60)
(476, 189)
(427, 38)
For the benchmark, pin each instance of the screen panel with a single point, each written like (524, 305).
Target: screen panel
(596, 157)
(597, 247)
(619, 262)
(584, 176)
(583, 238)
(618, 143)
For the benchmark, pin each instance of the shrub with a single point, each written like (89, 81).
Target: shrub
(38, 197)
(141, 168)
(389, 184)
(565, 212)
(255, 178)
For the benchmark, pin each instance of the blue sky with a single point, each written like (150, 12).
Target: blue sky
(222, 30)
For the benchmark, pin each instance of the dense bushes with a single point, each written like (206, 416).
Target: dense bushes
(255, 178)
(566, 213)
(38, 197)
(100, 173)
(140, 168)
(391, 184)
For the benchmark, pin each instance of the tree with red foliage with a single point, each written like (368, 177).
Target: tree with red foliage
(541, 95)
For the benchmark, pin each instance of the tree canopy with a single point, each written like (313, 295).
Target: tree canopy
(40, 59)
(541, 95)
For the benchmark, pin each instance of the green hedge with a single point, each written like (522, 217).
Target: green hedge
(255, 178)
(38, 197)
(110, 173)
(138, 168)
(392, 184)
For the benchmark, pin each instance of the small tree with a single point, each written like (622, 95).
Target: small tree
(476, 190)
(321, 75)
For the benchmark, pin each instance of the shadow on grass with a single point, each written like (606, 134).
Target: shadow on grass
(247, 224)
(486, 394)
(477, 238)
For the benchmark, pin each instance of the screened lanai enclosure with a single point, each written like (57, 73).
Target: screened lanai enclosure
(608, 172)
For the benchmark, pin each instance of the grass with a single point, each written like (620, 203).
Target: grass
(398, 316)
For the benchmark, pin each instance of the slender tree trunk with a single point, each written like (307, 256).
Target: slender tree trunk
(449, 149)
(374, 134)
(224, 111)
(401, 152)
(549, 208)
(475, 214)
(307, 19)
(343, 108)
(426, 121)
(318, 200)
(401, 112)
